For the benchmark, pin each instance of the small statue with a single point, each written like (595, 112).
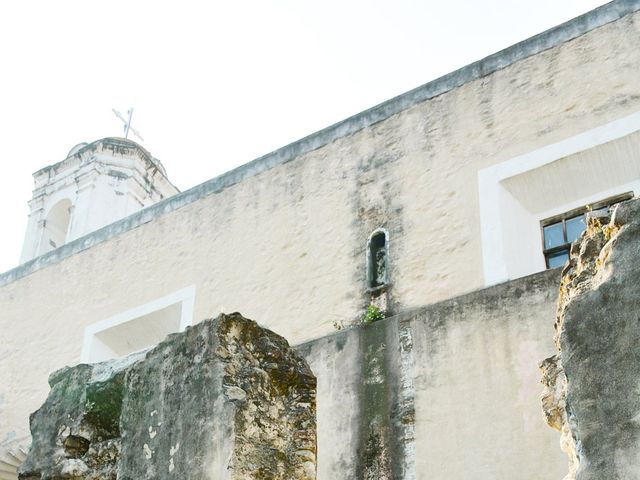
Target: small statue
(381, 267)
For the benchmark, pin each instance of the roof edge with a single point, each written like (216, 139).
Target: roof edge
(116, 141)
(553, 37)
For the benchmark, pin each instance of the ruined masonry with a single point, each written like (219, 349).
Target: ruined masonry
(591, 394)
(226, 399)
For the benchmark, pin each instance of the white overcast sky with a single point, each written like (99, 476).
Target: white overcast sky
(217, 84)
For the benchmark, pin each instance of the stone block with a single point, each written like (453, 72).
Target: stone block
(226, 399)
(591, 384)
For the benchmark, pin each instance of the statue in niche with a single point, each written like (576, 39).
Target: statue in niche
(377, 262)
(381, 266)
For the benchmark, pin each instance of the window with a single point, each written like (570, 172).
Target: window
(559, 232)
(377, 259)
(138, 328)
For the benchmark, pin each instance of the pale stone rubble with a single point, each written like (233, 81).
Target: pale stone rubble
(590, 386)
(226, 399)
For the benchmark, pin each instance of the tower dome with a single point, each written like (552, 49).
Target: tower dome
(97, 184)
(76, 149)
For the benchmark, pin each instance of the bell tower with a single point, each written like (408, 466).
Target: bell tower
(97, 184)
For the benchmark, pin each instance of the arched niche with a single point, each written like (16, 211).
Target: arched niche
(56, 226)
(378, 259)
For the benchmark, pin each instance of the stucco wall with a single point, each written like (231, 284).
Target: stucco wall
(460, 377)
(287, 245)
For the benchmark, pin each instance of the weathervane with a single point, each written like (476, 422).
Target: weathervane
(127, 123)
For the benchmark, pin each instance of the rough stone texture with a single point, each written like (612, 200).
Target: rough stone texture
(591, 384)
(226, 399)
(76, 433)
(413, 173)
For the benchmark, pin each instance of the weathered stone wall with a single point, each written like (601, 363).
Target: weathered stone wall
(403, 398)
(298, 230)
(446, 391)
(591, 394)
(224, 400)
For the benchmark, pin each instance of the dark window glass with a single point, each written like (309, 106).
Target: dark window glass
(553, 235)
(575, 227)
(558, 259)
(558, 233)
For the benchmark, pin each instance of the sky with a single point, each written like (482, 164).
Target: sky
(216, 84)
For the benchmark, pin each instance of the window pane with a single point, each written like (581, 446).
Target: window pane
(558, 259)
(575, 227)
(553, 235)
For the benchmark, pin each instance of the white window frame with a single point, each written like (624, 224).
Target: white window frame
(492, 193)
(185, 296)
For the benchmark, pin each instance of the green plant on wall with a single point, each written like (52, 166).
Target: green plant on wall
(373, 314)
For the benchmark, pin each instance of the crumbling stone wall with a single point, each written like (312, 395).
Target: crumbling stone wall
(591, 384)
(226, 399)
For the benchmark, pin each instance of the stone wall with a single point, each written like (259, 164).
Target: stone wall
(450, 390)
(446, 391)
(591, 384)
(284, 238)
(224, 400)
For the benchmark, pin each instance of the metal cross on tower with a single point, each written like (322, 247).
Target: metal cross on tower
(127, 123)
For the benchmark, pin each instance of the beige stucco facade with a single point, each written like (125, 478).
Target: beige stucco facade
(461, 387)
(287, 245)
